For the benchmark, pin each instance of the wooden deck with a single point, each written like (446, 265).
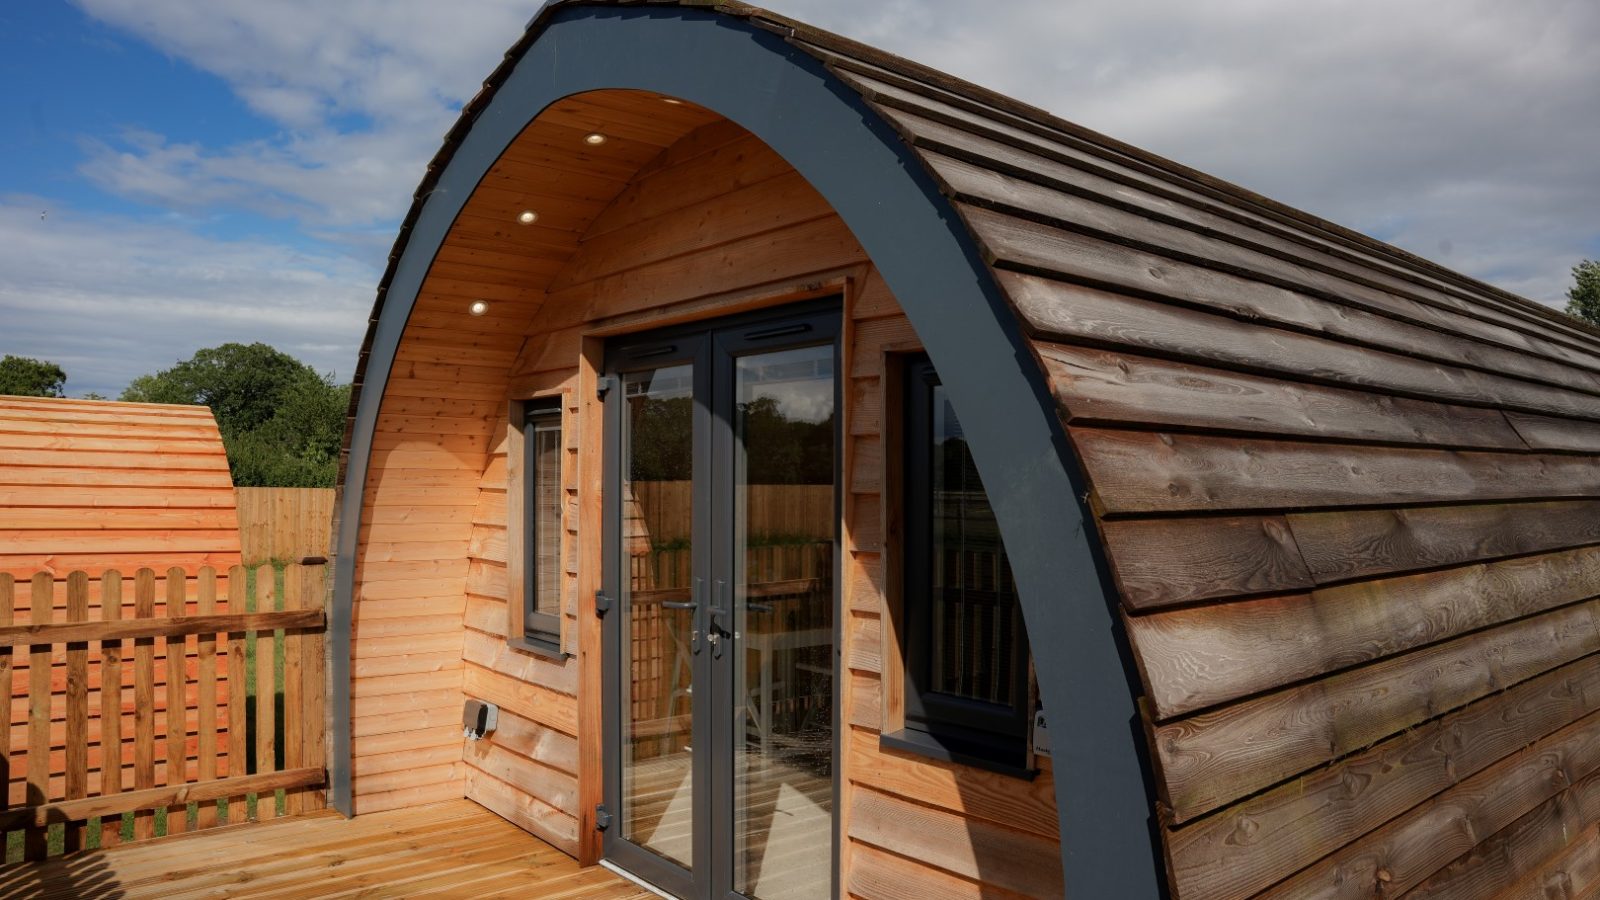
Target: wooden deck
(451, 849)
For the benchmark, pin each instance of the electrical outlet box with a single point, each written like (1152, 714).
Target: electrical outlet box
(478, 719)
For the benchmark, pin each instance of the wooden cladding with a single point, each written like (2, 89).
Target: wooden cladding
(206, 712)
(90, 485)
(1351, 505)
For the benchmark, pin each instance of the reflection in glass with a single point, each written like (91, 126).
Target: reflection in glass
(783, 681)
(547, 514)
(976, 619)
(658, 454)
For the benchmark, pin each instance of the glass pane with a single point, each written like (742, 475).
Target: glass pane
(657, 520)
(547, 514)
(783, 680)
(975, 613)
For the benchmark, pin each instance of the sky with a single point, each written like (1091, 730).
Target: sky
(177, 174)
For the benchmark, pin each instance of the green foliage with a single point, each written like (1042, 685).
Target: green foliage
(25, 377)
(281, 422)
(1583, 299)
(94, 395)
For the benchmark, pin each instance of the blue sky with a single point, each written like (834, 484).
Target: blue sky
(175, 174)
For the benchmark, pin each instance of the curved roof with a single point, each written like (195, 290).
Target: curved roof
(1345, 500)
(93, 485)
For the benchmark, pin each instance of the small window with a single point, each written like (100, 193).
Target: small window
(965, 652)
(540, 425)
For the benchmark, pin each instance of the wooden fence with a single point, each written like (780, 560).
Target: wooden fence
(135, 714)
(792, 511)
(284, 524)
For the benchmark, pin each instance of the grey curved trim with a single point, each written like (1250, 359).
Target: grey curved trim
(1109, 845)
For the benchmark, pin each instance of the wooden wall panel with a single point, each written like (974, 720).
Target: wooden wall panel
(1349, 502)
(714, 223)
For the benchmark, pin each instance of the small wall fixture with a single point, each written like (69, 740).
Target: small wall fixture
(478, 719)
(478, 307)
(595, 139)
(527, 217)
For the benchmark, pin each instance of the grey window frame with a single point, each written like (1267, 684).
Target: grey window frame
(541, 632)
(986, 735)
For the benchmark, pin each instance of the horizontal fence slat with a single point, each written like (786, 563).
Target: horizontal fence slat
(170, 795)
(171, 626)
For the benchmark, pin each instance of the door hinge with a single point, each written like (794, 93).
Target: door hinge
(602, 603)
(602, 817)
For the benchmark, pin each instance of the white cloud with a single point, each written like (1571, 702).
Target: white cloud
(399, 68)
(1463, 130)
(110, 299)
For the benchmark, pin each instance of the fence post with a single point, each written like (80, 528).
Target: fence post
(206, 698)
(40, 611)
(315, 673)
(266, 694)
(144, 702)
(110, 705)
(8, 606)
(293, 689)
(238, 698)
(77, 724)
(177, 700)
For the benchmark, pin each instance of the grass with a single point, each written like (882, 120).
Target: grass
(56, 834)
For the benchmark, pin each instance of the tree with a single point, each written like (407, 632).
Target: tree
(1583, 299)
(281, 422)
(25, 377)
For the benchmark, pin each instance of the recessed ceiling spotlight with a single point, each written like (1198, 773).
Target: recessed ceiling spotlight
(595, 138)
(478, 307)
(527, 217)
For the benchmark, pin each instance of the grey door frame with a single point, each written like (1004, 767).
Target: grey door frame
(711, 346)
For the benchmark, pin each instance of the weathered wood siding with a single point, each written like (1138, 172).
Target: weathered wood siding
(1352, 506)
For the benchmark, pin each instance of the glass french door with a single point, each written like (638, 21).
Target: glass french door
(720, 633)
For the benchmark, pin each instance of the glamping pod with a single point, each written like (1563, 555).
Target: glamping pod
(91, 485)
(811, 475)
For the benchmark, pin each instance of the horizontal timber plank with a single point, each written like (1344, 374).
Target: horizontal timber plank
(1161, 259)
(127, 629)
(1573, 872)
(1079, 314)
(1347, 544)
(878, 875)
(130, 801)
(1137, 472)
(1162, 562)
(1096, 386)
(1506, 856)
(1211, 759)
(973, 793)
(1205, 655)
(1293, 825)
(1419, 843)
(1089, 153)
(1017, 861)
(531, 701)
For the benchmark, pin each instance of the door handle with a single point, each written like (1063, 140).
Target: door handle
(719, 624)
(692, 604)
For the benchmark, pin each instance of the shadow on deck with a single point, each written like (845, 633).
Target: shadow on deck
(453, 849)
